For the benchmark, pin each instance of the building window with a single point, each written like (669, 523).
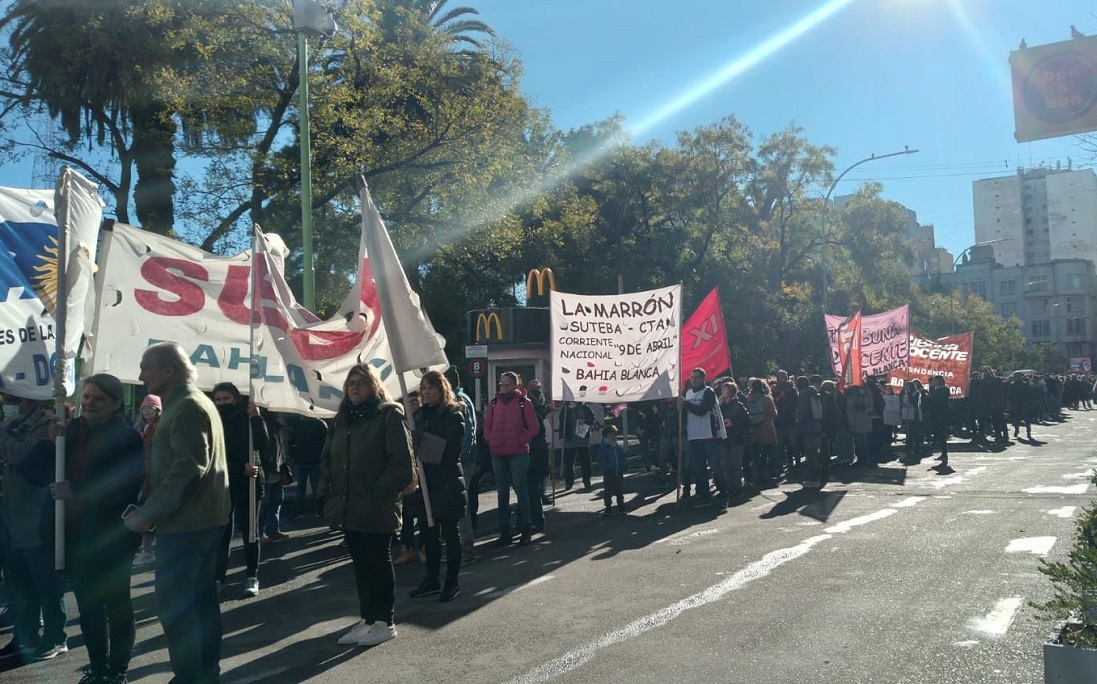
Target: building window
(1076, 326)
(1007, 287)
(1074, 281)
(1038, 283)
(1008, 309)
(1041, 329)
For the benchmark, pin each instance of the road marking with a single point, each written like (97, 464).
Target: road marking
(578, 657)
(683, 538)
(966, 644)
(909, 501)
(1046, 489)
(997, 621)
(1064, 512)
(1078, 476)
(979, 512)
(500, 593)
(976, 471)
(1037, 546)
(943, 482)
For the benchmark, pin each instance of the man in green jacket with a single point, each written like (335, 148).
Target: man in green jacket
(188, 505)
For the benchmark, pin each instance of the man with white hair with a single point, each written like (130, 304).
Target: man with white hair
(188, 505)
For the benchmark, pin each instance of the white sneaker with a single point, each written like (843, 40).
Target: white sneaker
(356, 632)
(251, 586)
(144, 558)
(379, 633)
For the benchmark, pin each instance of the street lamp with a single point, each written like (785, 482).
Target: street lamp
(309, 17)
(826, 200)
(955, 263)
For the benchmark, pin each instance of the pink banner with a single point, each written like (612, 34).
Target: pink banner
(885, 341)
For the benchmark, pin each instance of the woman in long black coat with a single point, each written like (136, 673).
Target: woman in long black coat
(439, 433)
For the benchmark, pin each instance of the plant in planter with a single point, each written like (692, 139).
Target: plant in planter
(1070, 655)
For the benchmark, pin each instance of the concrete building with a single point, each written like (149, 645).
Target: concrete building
(1038, 215)
(1056, 300)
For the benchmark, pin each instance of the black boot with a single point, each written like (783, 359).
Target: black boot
(450, 590)
(427, 587)
(505, 538)
(525, 538)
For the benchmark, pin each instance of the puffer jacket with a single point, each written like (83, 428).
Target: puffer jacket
(364, 467)
(510, 424)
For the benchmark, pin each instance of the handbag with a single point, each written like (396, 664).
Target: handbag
(287, 475)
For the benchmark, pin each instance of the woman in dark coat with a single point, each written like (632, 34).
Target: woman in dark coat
(104, 469)
(365, 467)
(439, 433)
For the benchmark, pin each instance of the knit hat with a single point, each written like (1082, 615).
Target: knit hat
(152, 400)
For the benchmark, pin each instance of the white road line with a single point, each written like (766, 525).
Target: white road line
(1046, 489)
(1037, 546)
(998, 620)
(757, 570)
(1078, 476)
(979, 512)
(500, 593)
(1064, 512)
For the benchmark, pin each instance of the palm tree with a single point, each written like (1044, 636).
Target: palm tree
(454, 22)
(128, 74)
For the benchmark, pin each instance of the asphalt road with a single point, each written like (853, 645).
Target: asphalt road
(894, 575)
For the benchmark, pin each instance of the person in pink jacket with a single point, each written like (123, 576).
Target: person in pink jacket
(510, 423)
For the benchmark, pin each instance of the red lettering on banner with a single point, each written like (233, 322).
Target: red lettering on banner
(368, 294)
(173, 276)
(328, 344)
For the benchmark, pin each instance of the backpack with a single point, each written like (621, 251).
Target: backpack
(716, 422)
(757, 411)
(816, 407)
(468, 444)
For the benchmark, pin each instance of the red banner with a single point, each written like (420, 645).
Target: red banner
(949, 357)
(849, 341)
(705, 339)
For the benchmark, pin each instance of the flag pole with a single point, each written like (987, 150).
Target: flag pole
(678, 487)
(552, 454)
(410, 417)
(62, 207)
(256, 313)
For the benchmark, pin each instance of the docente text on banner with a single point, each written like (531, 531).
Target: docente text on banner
(949, 357)
(616, 348)
(885, 341)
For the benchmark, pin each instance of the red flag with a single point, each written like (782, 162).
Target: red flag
(705, 340)
(849, 341)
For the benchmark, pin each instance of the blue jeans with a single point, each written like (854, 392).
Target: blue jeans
(190, 613)
(512, 471)
(270, 513)
(305, 474)
(39, 590)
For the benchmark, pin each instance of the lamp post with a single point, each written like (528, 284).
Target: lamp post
(309, 17)
(955, 263)
(826, 201)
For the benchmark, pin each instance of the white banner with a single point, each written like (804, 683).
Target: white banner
(610, 349)
(28, 280)
(155, 289)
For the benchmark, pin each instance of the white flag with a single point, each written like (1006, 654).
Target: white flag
(30, 260)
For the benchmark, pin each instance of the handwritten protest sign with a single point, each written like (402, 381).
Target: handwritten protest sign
(616, 348)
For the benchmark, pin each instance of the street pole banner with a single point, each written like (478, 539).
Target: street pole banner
(949, 357)
(30, 261)
(705, 339)
(885, 341)
(151, 288)
(609, 349)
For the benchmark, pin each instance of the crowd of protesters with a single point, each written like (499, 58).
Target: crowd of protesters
(193, 473)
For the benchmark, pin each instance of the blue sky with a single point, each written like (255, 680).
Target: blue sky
(871, 77)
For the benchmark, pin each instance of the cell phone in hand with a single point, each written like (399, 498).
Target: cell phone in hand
(129, 509)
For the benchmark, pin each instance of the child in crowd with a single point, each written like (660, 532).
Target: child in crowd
(612, 459)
